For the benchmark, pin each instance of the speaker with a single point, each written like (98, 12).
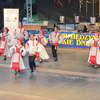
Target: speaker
(77, 19)
(92, 20)
(62, 19)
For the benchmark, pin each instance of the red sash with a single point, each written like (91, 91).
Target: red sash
(37, 54)
(56, 43)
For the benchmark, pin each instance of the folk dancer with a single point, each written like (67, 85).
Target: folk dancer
(54, 40)
(17, 52)
(35, 50)
(94, 54)
(3, 42)
(31, 46)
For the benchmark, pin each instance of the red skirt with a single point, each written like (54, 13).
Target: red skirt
(2, 46)
(92, 60)
(1, 51)
(15, 65)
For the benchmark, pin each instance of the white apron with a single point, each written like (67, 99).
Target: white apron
(42, 52)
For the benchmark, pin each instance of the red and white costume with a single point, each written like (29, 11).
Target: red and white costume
(94, 54)
(17, 52)
(3, 41)
(54, 38)
(41, 39)
(35, 48)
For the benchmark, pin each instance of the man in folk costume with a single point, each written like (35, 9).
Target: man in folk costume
(3, 42)
(54, 40)
(31, 46)
(17, 51)
(35, 50)
(94, 54)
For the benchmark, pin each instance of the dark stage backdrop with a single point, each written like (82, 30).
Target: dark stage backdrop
(68, 8)
(56, 8)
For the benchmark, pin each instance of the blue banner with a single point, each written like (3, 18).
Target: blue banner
(76, 40)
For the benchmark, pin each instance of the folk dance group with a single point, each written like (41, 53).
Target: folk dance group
(12, 45)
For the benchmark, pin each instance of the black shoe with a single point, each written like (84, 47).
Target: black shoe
(19, 71)
(32, 71)
(55, 59)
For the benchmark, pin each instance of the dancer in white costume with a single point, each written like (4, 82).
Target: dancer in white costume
(54, 38)
(42, 40)
(35, 50)
(17, 51)
(94, 54)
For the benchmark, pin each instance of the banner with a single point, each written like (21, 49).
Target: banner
(11, 18)
(76, 40)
